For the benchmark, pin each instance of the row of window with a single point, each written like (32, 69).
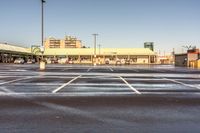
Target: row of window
(58, 46)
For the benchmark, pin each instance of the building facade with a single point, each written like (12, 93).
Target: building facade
(104, 56)
(185, 59)
(67, 42)
(8, 53)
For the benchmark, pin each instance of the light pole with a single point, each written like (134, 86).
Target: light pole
(42, 63)
(95, 45)
(99, 49)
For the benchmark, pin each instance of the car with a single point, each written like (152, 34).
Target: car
(122, 61)
(70, 62)
(118, 62)
(31, 61)
(19, 61)
(107, 61)
(48, 61)
(127, 62)
(62, 61)
(52, 61)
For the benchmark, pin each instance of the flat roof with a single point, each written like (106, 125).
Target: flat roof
(15, 49)
(103, 51)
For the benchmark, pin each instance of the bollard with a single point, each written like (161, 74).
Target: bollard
(42, 65)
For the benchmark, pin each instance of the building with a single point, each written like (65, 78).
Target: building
(8, 53)
(166, 60)
(86, 55)
(149, 45)
(185, 58)
(67, 42)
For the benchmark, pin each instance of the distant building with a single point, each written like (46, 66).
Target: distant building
(67, 42)
(185, 58)
(8, 53)
(149, 45)
(167, 59)
(111, 55)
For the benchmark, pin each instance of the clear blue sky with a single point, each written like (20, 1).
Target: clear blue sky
(119, 23)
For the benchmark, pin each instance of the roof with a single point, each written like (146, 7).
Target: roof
(103, 51)
(14, 49)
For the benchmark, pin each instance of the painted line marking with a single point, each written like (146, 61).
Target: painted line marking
(6, 90)
(64, 69)
(7, 82)
(59, 84)
(135, 70)
(65, 93)
(178, 82)
(130, 85)
(89, 69)
(111, 69)
(59, 88)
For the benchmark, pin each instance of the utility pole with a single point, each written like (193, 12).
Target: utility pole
(99, 49)
(42, 63)
(42, 30)
(95, 45)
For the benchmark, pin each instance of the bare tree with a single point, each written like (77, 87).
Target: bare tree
(189, 47)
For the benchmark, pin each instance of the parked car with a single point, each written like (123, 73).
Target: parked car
(107, 61)
(127, 62)
(118, 62)
(48, 61)
(71, 62)
(53, 61)
(31, 61)
(62, 61)
(19, 61)
(123, 61)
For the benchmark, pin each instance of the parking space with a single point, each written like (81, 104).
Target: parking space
(121, 98)
(89, 80)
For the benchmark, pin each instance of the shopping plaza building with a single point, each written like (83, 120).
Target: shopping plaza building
(103, 55)
(80, 55)
(67, 42)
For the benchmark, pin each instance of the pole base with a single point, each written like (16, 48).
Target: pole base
(42, 65)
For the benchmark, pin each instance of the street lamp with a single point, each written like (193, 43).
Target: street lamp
(95, 45)
(99, 49)
(42, 63)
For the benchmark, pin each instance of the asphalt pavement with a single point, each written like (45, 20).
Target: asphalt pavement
(100, 99)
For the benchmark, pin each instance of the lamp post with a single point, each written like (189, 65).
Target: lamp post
(99, 49)
(42, 63)
(95, 44)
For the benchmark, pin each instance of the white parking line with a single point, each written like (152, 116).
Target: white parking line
(89, 69)
(111, 69)
(59, 88)
(188, 85)
(135, 70)
(7, 82)
(64, 94)
(6, 90)
(129, 85)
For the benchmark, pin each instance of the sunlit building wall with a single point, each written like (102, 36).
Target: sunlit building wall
(67, 42)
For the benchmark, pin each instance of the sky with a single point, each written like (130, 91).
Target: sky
(119, 23)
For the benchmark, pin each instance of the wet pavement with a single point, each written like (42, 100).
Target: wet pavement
(108, 99)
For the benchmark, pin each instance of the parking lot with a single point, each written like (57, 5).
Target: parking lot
(83, 98)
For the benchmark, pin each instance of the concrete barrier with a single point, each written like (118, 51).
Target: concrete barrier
(42, 65)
